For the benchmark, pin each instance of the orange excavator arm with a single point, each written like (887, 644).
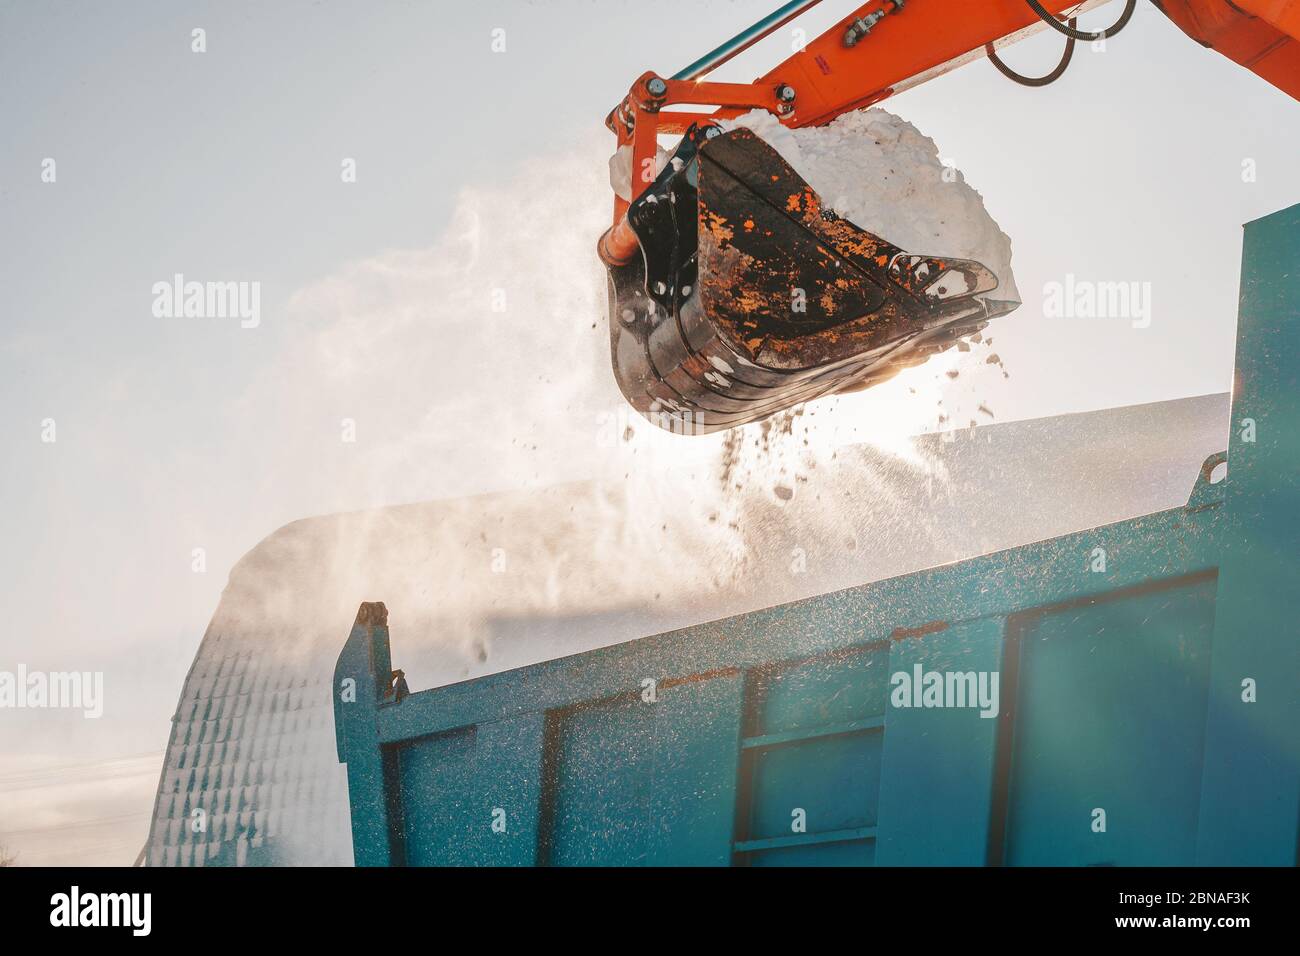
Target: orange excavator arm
(887, 46)
(879, 49)
(1261, 35)
(705, 253)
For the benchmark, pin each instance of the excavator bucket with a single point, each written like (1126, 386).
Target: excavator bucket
(749, 296)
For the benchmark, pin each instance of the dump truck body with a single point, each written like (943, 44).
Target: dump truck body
(1125, 695)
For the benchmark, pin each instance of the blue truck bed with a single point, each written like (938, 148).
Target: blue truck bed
(1126, 695)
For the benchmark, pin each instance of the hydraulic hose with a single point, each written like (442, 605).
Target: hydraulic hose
(1023, 80)
(1072, 33)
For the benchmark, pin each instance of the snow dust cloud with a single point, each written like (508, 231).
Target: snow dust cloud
(481, 364)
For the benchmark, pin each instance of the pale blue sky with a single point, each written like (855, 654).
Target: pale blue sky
(174, 434)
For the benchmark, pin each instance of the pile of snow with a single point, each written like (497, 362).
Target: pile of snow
(880, 172)
(620, 170)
